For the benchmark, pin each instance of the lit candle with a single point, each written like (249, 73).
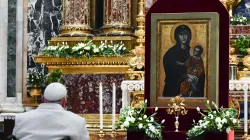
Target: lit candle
(100, 106)
(113, 106)
(245, 87)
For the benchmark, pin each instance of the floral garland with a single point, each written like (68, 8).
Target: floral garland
(135, 119)
(86, 49)
(217, 121)
(239, 20)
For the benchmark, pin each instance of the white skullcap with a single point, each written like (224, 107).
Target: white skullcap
(55, 91)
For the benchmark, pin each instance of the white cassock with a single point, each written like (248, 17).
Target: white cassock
(50, 122)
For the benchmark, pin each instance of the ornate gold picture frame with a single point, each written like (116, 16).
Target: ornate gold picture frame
(184, 58)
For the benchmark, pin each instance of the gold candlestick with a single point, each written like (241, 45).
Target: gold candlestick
(140, 33)
(101, 134)
(245, 136)
(177, 108)
(139, 60)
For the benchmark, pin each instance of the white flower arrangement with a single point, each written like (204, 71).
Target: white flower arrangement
(217, 121)
(239, 20)
(88, 49)
(135, 119)
(35, 79)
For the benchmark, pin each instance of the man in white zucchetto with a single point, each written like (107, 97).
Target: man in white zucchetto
(50, 121)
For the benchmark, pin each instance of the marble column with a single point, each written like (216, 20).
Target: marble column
(19, 45)
(76, 18)
(9, 104)
(11, 49)
(117, 18)
(3, 49)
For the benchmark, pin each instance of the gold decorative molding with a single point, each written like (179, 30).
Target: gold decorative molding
(244, 75)
(95, 65)
(135, 75)
(233, 103)
(140, 33)
(139, 60)
(118, 30)
(246, 61)
(93, 120)
(233, 58)
(137, 98)
(75, 30)
(238, 95)
(69, 39)
(93, 134)
(96, 60)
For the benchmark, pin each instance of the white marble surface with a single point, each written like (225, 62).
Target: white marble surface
(129, 85)
(9, 104)
(19, 46)
(3, 49)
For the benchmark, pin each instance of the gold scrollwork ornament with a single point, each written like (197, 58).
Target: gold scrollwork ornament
(233, 103)
(246, 61)
(177, 108)
(137, 98)
(137, 62)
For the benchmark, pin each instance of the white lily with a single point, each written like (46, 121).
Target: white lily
(156, 108)
(140, 126)
(198, 109)
(162, 121)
